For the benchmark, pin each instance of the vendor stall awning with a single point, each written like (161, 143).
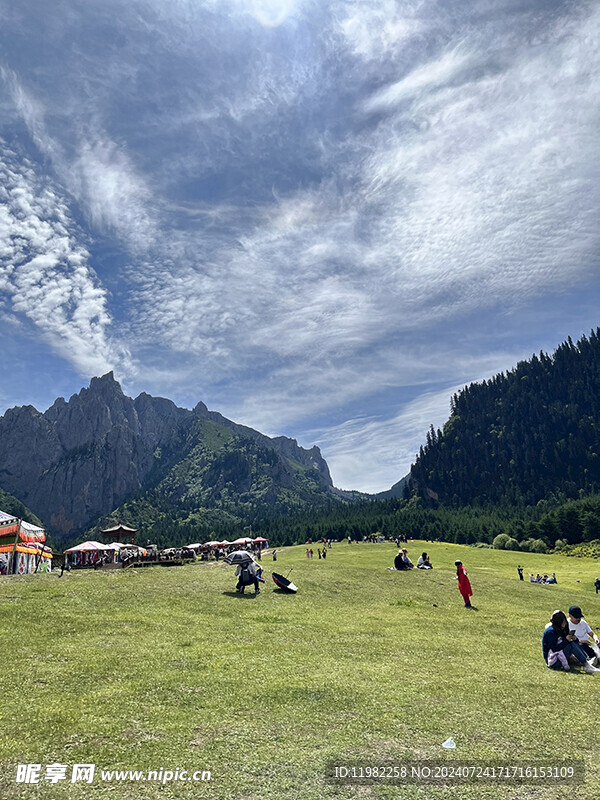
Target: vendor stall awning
(27, 532)
(86, 546)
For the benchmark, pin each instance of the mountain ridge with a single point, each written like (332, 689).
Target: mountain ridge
(82, 458)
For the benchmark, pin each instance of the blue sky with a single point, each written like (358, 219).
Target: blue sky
(320, 218)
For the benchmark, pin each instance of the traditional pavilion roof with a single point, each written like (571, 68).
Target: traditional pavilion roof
(119, 528)
(118, 532)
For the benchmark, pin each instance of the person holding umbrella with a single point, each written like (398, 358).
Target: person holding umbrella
(246, 570)
(247, 574)
(464, 584)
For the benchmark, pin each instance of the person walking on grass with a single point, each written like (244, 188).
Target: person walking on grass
(597, 585)
(520, 571)
(464, 584)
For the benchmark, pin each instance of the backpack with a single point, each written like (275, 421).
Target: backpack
(245, 578)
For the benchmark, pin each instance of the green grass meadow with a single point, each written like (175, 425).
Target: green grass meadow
(169, 668)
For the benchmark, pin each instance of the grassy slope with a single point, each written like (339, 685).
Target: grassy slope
(167, 668)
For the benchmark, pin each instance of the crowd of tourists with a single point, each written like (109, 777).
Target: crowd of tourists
(542, 578)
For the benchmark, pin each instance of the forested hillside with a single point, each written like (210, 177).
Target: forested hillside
(523, 436)
(10, 505)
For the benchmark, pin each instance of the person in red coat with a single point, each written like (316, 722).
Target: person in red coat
(464, 584)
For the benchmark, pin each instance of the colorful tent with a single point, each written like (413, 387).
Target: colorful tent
(86, 554)
(87, 546)
(21, 551)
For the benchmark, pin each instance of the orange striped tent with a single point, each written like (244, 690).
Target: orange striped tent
(21, 548)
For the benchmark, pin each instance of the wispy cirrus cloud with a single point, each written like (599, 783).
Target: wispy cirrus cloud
(94, 170)
(365, 451)
(435, 208)
(44, 270)
(312, 199)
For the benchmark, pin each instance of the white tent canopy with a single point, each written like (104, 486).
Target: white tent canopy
(87, 546)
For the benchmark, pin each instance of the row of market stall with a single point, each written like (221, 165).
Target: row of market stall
(22, 549)
(92, 553)
(219, 549)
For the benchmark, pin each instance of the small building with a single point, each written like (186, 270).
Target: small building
(120, 533)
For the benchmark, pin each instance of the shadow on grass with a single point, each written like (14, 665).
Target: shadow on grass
(238, 594)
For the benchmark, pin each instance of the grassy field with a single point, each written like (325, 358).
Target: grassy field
(169, 668)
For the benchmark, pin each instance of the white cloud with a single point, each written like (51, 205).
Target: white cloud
(270, 13)
(312, 201)
(372, 454)
(448, 202)
(112, 192)
(377, 30)
(433, 75)
(100, 175)
(45, 274)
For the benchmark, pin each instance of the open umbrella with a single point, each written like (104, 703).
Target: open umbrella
(284, 583)
(239, 557)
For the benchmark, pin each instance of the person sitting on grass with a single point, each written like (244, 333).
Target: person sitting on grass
(588, 641)
(408, 564)
(399, 561)
(557, 638)
(423, 562)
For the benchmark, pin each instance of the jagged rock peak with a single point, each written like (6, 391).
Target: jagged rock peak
(105, 383)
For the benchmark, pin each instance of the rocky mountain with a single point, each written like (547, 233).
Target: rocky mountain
(397, 490)
(81, 459)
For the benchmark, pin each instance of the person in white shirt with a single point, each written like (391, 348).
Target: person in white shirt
(423, 562)
(586, 637)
